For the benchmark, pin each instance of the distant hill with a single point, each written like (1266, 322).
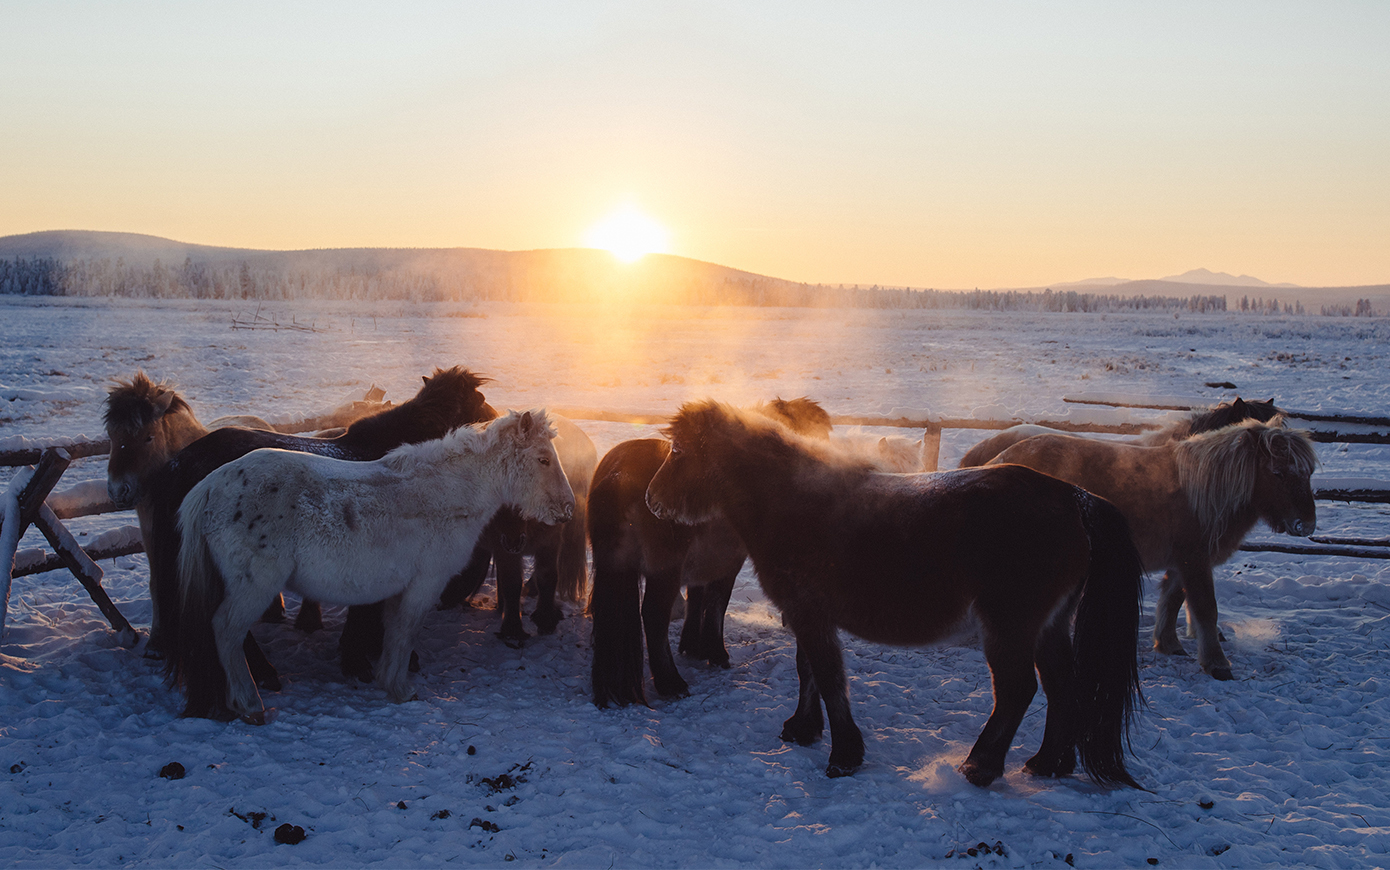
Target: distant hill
(90, 263)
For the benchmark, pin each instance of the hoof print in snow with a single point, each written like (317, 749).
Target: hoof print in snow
(400, 805)
(485, 825)
(17, 768)
(172, 770)
(442, 814)
(289, 834)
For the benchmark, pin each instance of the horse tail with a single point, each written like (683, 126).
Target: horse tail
(573, 565)
(193, 661)
(1106, 643)
(615, 602)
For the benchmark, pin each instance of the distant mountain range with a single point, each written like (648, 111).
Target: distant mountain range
(551, 274)
(1203, 277)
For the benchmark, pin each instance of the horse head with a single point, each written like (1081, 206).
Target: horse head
(1283, 490)
(683, 488)
(453, 394)
(802, 415)
(541, 490)
(147, 423)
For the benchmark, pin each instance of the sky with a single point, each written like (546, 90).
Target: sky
(945, 145)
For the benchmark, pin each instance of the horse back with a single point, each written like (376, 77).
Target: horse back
(620, 524)
(1141, 481)
(903, 558)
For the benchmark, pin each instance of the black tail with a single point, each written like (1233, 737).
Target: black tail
(1106, 643)
(193, 661)
(615, 604)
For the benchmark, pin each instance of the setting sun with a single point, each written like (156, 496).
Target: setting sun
(628, 234)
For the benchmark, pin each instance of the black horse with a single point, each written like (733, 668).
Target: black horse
(629, 543)
(448, 399)
(904, 559)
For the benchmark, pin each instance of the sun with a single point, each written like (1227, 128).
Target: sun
(628, 234)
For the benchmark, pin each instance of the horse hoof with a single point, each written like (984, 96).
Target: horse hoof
(837, 770)
(1222, 674)
(799, 736)
(260, 717)
(977, 775)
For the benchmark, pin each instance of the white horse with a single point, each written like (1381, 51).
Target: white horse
(394, 530)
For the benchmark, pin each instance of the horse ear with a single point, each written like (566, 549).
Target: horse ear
(1238, 404)
(526, 423)
(162, 400)
(425, 378)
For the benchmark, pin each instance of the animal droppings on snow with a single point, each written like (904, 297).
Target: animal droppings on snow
(289, 834)
(172, 770)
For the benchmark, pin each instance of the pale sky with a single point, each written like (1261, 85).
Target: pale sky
(924, 144)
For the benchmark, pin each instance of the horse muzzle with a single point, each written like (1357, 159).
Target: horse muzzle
(122, 494)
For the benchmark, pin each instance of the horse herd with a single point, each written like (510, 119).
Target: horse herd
(1039, 541)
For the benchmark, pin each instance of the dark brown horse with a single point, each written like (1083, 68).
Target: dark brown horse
(148, 422)
(448, 399)
(1190, 503)
(906, 559)
(630, 543)
(1223, 415)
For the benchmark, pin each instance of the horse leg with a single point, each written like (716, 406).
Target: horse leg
(230, 622)
(1201, 603)
(662, 589)
(309, 619)
(546, 577)
(509, 577)
(1054, 658)
(275, 610)
(467, 582)
(402, 616)
(818, 638)
(617, 626)
(360, 642)
(1170, 600)
(711, 621)
(692, 625)
(1010, 658)
(262, 671)
(807, 724)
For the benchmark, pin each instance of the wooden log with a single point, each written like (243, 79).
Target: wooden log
(931, 448)
(124, 541)
(1353, 542)
(87, 572)
(52, 463)
(76, 448)
(11, 530)
(1318, 550)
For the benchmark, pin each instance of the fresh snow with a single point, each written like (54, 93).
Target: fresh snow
(504, 757)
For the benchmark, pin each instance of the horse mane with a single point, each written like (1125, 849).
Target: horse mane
(473, 439)
(801, 415)
(1217, 469)
(134, 404)
(434, 408)
(752, 432)
(1223, 415)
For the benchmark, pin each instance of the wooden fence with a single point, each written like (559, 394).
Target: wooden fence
(30, 499)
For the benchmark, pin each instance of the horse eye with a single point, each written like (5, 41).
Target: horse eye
(149, 438)
(545, 462)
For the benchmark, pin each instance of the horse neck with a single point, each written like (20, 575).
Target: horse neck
(181, 429)
(758, 498)
(1221, 496)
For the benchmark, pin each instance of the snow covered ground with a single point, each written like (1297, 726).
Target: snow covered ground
(504, 758)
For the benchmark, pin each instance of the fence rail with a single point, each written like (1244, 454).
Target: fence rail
(51, 459)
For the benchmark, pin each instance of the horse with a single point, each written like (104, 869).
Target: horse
(1209, 420)
(1190, 504)
(629, 543)
(448, 398)
(392, 530)
(892, 453)
(907, 559)
(147, 423)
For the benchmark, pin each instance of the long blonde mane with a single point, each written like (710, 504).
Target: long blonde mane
(474, 439)
(1217, 470)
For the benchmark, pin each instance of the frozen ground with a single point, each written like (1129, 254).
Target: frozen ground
(504, 758)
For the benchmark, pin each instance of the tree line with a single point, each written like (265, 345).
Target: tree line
(268, 280)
